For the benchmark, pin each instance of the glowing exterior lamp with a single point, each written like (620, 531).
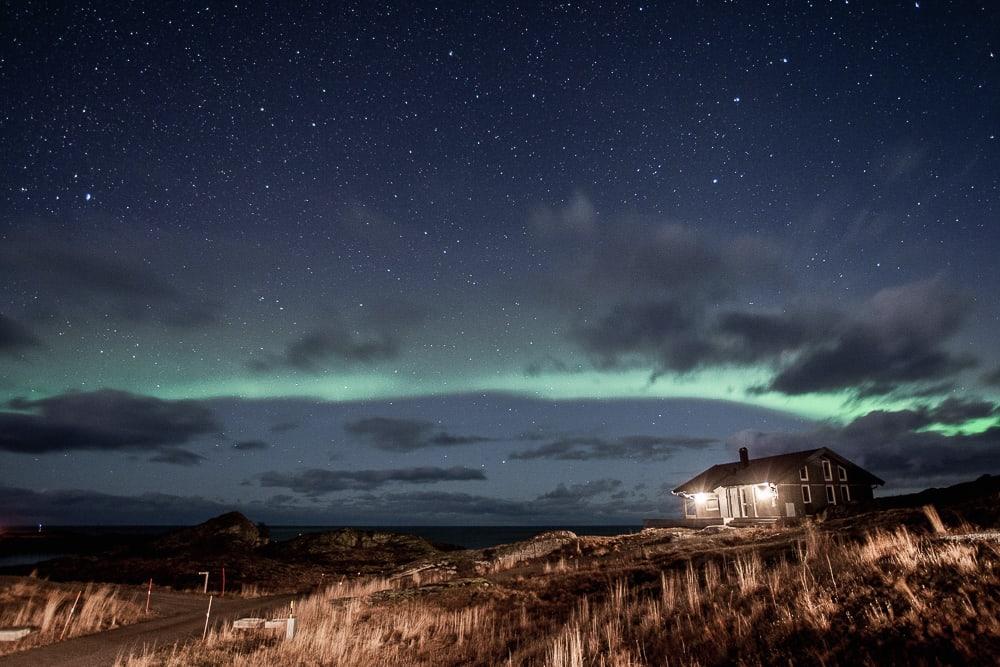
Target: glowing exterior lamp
(700, 498)
(768, 490)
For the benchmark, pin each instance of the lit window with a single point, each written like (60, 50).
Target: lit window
(842, 473)
(806, 495)
(845, 493)
(827, 470)
(831, 495)
(804, 473)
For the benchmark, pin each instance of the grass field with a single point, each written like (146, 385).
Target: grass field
(754, 597)
(56, 612)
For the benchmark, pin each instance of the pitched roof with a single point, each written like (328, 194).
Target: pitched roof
(766, 469)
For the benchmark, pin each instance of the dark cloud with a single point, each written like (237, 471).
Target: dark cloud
(375, 333)
(250, 445)
(317, 481)
(550, 364)
(284, 427)
(406, 435)
(178, 457)
(639, 447)
(670, 260)
(992, 378)
(15, 337)
(73, 506)
(103, 420)
(897, 339)
(598, 499)
(327, 348)
(918, 445)
(665, 333)
(577, 493)
(750, 337)
(134, 291)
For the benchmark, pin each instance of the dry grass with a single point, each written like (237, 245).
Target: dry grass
(892, 598)
(46, 607)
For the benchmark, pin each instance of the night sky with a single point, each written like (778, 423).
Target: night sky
(481, 263)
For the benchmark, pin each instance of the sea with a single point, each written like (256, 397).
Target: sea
(466, 537)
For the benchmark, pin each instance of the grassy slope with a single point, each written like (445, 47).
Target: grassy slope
(836, 595)
(46, 607)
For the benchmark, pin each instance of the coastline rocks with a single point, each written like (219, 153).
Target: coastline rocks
(228, 532)
(349, 546)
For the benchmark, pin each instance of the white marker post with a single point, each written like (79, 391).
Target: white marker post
(70, 617)
(149, 593)
(208, 613)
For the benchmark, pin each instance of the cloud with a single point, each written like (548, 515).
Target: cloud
(406, 435)
(992, 378)
(600, 498)
(15, 337)
(638, 447)
(179, 457)
(75, 506)
(921, 445)
(334, 346)
(318, 481)
(618, 259)
(250, 445)
(897, 339)
(577, 493)
(284, 427)
(106, 419)
(136, 292)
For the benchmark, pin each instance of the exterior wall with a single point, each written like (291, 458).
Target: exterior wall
(709, 509)
(817, 482)
(792, 493)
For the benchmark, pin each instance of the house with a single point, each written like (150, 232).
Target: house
(783, 486)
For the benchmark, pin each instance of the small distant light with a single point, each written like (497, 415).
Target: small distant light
(86, 197)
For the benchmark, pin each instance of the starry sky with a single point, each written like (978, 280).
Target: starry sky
(488, 263)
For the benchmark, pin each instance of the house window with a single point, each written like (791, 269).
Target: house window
(845, 493)
(831, 495)
(712, 504)
(806, 495)
(827, 470)
(689, 509)
(842, 473)
(804, 473)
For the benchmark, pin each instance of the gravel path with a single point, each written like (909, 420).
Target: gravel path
(182, 617)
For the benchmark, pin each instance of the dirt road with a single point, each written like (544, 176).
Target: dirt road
(181, 617)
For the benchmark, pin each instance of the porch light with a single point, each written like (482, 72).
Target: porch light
(768, 489)
(700, 498)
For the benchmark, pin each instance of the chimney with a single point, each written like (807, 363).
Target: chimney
(744, 457)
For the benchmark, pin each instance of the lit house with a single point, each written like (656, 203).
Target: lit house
(773, 487)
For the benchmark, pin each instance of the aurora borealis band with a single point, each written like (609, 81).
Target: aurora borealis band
(485, 263)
